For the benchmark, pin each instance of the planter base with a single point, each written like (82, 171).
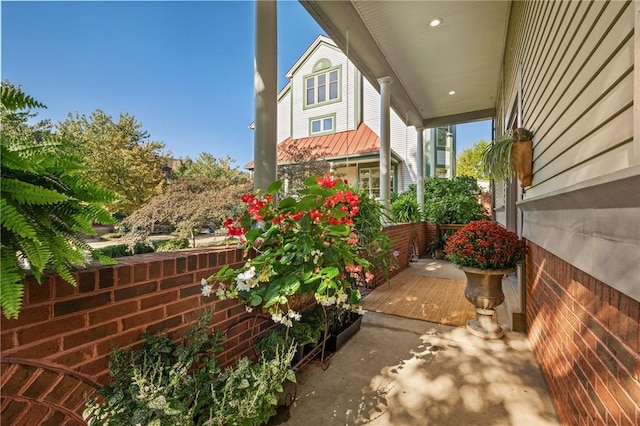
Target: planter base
(335, 342)
(483, 326)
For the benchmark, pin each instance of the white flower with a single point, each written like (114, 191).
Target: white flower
(294, 315)
(316, 255)
(342, 298)
(286, 322)
(206, 290)
(277, 318)
(360, 311)
(204, 282)
(248, 308)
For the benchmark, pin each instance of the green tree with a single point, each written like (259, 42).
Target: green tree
(45, 202)
(118, 155)
(299, 164)
(207, 166)
(470, 161)
(188, 204)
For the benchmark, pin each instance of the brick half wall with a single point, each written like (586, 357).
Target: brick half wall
(585, 336)
(59, 347)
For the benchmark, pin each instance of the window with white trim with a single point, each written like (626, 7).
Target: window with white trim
(322, 125)
(321, 88)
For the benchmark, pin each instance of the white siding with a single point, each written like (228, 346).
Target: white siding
(284, 115)
(578, 88)
(302, 115)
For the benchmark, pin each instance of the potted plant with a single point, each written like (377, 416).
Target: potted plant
(303, 246)
(511, 152)
(485, 251)
(343, 325)
(436, 248)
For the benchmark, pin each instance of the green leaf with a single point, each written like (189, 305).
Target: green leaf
(330, 272)
(274, 187)
(306, 203)
(255, 299)
(287, 203)
(311, 181)
(339, 230)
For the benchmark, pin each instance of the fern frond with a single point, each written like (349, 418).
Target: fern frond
(26, 193)
(14, 99)
(104, 260)
(38, 255)
(11, 283)
(14, 221)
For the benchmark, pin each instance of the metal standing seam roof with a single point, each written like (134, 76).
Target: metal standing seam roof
(335, 145)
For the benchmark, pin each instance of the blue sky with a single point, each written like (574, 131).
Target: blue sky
(183, 69)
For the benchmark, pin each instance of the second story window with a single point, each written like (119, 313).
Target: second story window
(321, 88)
(322, 124)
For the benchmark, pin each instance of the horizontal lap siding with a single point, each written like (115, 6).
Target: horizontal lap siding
(578, 84)
(578, 91)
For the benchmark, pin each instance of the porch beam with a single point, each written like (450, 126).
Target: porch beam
(465, 117)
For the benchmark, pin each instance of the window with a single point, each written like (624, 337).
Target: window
(321, 88)
(370, 180)
(322, 124)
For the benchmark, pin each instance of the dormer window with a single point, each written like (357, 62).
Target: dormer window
(323, 86)
(322, 125)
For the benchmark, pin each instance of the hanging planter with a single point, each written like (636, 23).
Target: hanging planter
(511, 152)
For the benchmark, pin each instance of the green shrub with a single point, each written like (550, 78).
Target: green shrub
(171, 245)
(163, 383)
(113, 235)
(450, 200)
(119, 250)
(142, 247)
(405, 209)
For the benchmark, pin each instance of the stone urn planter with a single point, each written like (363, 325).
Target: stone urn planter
(484, 291)
(485, 251)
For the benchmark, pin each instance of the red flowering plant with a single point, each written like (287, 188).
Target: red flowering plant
(302, 246)
(485, 245)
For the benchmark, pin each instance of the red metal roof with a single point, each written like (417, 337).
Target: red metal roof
(335, 145)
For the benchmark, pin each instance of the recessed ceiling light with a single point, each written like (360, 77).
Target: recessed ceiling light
(452, 92)
(436, 22)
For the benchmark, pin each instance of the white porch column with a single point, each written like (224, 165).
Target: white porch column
(433, 143)
(266, 92)
(420, 167)
(385, 143)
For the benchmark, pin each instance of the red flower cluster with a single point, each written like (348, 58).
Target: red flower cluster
(485, 245)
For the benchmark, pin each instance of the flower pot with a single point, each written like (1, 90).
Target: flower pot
(484, 291)
(337, 339)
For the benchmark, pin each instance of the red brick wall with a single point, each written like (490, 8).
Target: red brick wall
(585, 336)
(403, 236)
(59, 347)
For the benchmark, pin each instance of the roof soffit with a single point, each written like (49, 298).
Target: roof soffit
(394, 39)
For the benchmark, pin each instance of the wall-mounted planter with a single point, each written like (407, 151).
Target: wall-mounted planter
(508, 153)
(521, 161)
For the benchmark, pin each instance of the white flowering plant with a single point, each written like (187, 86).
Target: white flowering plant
(305, 246)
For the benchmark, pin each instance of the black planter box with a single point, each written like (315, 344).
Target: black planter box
(337, 340)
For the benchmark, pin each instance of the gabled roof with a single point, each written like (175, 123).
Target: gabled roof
(353, 144)
(316, 43)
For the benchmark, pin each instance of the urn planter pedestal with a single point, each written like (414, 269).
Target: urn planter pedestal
(484, 291)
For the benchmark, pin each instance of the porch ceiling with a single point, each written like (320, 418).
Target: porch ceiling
(394, 39)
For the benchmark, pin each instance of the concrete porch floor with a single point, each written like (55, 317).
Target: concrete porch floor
(403, 372)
